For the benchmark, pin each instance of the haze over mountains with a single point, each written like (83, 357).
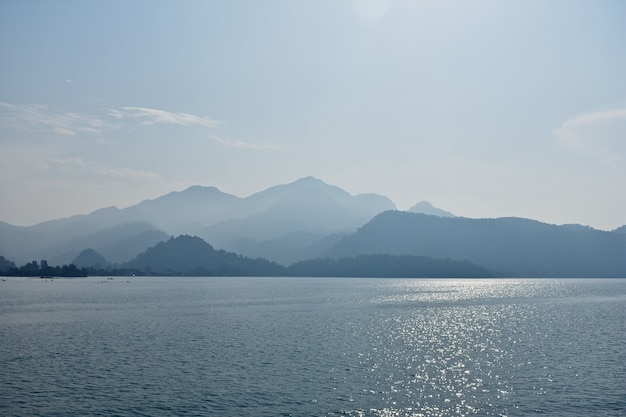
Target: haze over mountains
(310, 219)
(279, 223)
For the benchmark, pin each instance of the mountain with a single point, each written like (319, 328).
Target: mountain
(117, 244)
(513, 246)
(307, 204)
(303, 208)
(119, 234)
(309, 219)
(425, 207)
(121, 242)
(89, 258)
(193, 207)
(286, 249)
(15, 241)
(125, 249)
(60, 241)
(621, 229)
(190, 255)
(297, 216)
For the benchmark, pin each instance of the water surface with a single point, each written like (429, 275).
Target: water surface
(314, 347)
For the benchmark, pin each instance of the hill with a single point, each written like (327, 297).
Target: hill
(89, 258)
(187, 255)
(514, 246)
(117, 244)
(389, 266)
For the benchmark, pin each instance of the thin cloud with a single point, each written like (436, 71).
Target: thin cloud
(155, 116)
(593, 118)
(240, 144)
(28, 117)
(601, 134)
(125, 173)
(39, 117)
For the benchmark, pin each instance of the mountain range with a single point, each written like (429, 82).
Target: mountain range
(309, 219)
(512, 246)
(191, 256)
(284, 223)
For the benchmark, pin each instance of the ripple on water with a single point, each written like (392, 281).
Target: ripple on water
(313, 347)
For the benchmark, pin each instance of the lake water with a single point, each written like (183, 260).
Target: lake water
(312, 347)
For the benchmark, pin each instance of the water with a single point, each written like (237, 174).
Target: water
(312, 347)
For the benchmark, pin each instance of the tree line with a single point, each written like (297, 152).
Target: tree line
(381, 266)
(42, 269)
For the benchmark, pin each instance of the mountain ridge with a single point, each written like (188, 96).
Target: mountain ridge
(306, 205)
(190, 255)
(516, 246)
(309, 219)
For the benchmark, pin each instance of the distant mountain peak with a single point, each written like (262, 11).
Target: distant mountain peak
(311, 182)
(425, 207)
(197, 192)
(90, 258)
(309, 179)
(306, 186)
(200, 188)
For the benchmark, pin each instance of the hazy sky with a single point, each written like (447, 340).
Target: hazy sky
(483, 108)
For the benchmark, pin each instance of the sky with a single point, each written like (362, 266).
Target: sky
(483, 108)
